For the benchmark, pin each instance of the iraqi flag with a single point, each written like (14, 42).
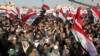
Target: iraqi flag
(2, 10)
(96, 13)
(11, 14)
(70, 15)
(29, 11)
(82, 37)
(62, 15)
(46, 7)
(29, 18)
(18, 10)
(84, 12)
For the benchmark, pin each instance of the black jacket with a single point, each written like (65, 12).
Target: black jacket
(22, 53)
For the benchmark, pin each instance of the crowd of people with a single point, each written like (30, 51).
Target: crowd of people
(47, 36)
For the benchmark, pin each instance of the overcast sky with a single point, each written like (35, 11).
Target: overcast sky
(51, 3)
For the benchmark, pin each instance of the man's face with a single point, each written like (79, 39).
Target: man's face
(67, 41)
(62, 35)
(57, 43)
(25, 43)
(14, 40)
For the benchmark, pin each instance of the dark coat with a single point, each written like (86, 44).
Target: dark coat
(22, 53)
(77, 51)
(3, 44)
